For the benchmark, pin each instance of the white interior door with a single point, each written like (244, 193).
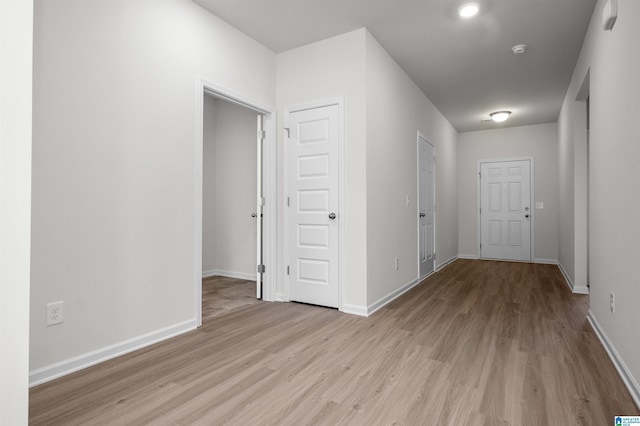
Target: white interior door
(426, 206)
(505, 210)
(314, 213)
(259, 208)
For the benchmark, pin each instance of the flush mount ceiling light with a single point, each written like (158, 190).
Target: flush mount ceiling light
(500, 116)
(519, 49)
(468, 10)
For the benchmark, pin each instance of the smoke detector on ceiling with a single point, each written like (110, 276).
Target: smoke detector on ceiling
(519, 49)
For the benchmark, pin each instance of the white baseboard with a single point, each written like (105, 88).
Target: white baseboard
(468, 256)
(546, 261)
(355, 310)
(68, 366)
(229, 274)
(577, 289)
(630, 382)
(392, 296)
(446, 263)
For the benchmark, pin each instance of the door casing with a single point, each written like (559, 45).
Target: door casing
(268, 184)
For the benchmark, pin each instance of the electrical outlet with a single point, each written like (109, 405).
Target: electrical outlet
(55, 313)
(612, 302)
(397, 263)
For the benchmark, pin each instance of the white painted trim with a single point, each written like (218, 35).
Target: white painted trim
(71, 365)
(342, 211)
(446, 263)
(625, 374)
(579, 289)
(269, 184)
(532, 195)
(355, 310)
(229, 274)
(468, 256)
(574, 288)
(392, 296)
(546, 261)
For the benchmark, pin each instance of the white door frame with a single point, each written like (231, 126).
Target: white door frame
(339, 101)
(268, 181)
(423, 137)
(532, 209)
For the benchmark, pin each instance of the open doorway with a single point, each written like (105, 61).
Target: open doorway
(229, 193)
(235, 192)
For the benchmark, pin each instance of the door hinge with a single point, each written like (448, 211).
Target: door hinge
(287, 270)
(286, 129)
(261, 269)
(481, 246)
(288, 201)
(262, 134)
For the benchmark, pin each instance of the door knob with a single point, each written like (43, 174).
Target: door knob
(254, 215)
(332, 216)
(422, 214)
(526, 216)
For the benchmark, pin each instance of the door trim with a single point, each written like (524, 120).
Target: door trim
(268, 180)
(533, 197)
(340, 102)
(435, 254)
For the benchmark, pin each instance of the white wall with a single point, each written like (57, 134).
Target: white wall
(16, 37)
(396, 111)
(610, 59)
(114, 167)
(229, 186)
(539, 142)
(328, 69)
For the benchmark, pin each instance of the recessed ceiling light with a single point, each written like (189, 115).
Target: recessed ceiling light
(500, 116)
(468, 10)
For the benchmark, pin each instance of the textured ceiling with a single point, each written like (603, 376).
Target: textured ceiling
(465, 67)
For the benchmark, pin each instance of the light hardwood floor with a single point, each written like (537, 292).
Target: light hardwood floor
(479, 343)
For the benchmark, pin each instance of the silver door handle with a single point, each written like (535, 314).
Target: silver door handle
(526, 216)
(254, 215)
(332, 216)
(422, 214)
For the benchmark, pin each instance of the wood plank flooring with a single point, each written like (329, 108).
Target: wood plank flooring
(479, 343)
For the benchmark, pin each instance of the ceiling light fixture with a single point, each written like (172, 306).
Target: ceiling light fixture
(500, 116)
(519, 49)
(468, 10)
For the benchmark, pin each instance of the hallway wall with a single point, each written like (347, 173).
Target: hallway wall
(610, 61)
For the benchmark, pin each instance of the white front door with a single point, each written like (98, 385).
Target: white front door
(313, 205)
(505, 210)
(426, 205)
